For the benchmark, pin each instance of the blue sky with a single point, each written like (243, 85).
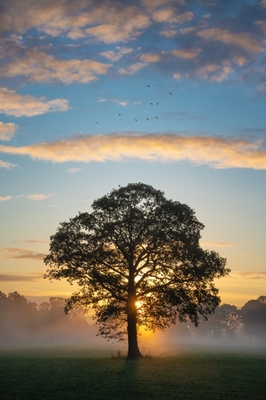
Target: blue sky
(99, 94)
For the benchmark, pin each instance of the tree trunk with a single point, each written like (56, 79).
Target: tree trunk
(133, 348)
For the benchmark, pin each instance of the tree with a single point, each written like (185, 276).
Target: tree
(224, 322)
(137, 260)
(254, 317)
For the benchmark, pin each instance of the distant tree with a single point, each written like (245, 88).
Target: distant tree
(254, 318)
(17, 316)
(224, 322)
(137, 260)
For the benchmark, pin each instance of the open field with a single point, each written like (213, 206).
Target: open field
(89, 374)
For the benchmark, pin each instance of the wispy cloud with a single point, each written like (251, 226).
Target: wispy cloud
(7, 165)
(132, 68)
(73, 170)
(39, 196)
(116, 55)
(20, 253)
(217, 244)
(6, 198)
(217, 152)
(249, 274)
(31, 241)
(7, 130)
(21, 277)
(12, 103)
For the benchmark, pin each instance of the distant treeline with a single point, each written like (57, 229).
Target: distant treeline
(22, 321)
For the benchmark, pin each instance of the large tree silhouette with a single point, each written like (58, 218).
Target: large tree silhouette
(137, 260)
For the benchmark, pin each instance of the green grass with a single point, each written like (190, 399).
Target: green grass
(78, 374)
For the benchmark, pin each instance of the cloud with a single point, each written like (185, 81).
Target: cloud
(115, 56)
(7, 130)
(243, 40)
(183, 31)
(31, 241)
(19, 253)
(21, 278)
(171, 16)
(121, 25)
(217, 244)
(120, 102)
(73, 170)
(113, 21)
(249, 274)
(150, 57)
(132, 68)
(6, 198)
(38, 197)
(12, 103)
(38, 66)
(187, 54)
(215, 72)
(7, 165)
(217, 152)
(168, 32)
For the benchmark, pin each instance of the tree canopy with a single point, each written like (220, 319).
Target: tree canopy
(138, 262)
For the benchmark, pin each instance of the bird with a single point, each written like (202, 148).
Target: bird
(119, 115)
(170, 93)
(151, 104)
(135, 119)
(147, 119)
(96, 122)
(157, 104)
(148, 85)
(156, 117)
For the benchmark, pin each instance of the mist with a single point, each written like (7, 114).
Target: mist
(24, 323)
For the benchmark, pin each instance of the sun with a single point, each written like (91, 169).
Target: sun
(138, 304)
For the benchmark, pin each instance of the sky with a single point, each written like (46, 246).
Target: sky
(97, 94)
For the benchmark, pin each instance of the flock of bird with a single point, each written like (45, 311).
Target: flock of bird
(170, 93)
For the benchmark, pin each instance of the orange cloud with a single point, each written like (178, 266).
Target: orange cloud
(37, 66)
(217, 152)
(19, 253)
(187, 54)
(21, 277)
(243, 40)
(7, 130)
(150, 57)
(170, 15)
(217, 244)
(12, 103)
(249, 274)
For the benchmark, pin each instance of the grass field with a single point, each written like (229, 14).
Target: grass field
(87, 374)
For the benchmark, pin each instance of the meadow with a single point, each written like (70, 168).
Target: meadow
(65, 373)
